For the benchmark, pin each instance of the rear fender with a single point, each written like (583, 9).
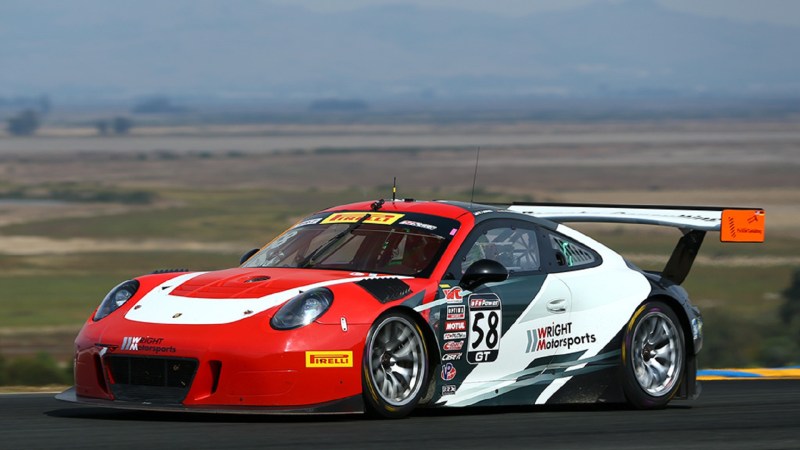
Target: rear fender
(689, 389)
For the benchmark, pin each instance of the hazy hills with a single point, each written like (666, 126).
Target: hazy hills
(242, 49)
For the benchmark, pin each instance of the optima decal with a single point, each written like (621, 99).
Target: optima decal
(556, 336)
(456, 312)
(329, 359)
(374, 218)
(145, 344)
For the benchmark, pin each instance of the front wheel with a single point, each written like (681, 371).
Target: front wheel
(395, 367)
(654, 356)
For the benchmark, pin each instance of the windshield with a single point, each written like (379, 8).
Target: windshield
(397, 244)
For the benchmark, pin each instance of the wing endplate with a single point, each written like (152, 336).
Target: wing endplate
(742, 225)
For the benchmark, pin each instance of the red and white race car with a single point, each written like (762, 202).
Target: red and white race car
(386, 306)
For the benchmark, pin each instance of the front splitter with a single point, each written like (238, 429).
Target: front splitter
(349, 405)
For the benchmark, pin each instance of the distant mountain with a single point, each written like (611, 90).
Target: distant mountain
(245, 48)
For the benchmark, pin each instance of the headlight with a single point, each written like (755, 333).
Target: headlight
(116, 298)
(303, 309)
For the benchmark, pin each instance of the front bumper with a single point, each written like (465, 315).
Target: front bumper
(234, 368)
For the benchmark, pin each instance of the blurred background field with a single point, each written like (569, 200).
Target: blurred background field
(76, 222)
(152, 135)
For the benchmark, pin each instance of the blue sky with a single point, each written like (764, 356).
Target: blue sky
(784, 12)
(305, 49)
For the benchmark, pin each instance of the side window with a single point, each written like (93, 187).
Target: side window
(570, 254)
(515, 248)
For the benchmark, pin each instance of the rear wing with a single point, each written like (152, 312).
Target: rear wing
(734, 224)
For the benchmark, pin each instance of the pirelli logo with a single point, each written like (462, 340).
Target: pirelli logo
(329, 359)
(352, 217)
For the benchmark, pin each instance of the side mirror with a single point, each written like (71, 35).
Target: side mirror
(481, 272)
(247, 256)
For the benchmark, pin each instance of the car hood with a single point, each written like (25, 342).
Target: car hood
(227, 296)
(234, 284)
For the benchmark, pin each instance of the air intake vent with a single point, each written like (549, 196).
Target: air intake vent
(385, 289)
(150, 379)
(168, 271)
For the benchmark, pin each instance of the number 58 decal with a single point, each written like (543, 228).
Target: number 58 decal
(486, 323)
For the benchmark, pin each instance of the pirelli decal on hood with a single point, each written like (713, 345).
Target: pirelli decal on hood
(352, 217)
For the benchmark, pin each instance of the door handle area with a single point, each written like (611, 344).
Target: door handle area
(558, 306)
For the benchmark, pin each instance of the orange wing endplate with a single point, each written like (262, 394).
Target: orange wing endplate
(742, 225)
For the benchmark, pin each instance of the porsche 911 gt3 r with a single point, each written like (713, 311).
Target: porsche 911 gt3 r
(387, 306)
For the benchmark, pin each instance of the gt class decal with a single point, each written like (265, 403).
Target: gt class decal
(486, 322)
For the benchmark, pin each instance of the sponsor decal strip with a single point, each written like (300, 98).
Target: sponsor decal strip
(374, 218)
(418, 224)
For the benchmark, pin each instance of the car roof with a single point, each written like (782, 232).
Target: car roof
(444, 208)
(450, 210)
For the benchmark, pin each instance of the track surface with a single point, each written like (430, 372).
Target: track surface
(729, 414)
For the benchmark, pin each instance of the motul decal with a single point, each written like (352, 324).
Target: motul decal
(455, 326)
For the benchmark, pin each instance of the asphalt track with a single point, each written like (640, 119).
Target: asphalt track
(744, 414)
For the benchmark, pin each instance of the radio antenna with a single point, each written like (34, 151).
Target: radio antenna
(475, 176)
(394, 189)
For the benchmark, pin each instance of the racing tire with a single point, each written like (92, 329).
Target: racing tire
(396, 367)
(654, 356)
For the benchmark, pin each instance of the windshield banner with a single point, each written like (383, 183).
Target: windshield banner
(352, 217)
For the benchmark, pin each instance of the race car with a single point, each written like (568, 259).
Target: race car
(383, 307)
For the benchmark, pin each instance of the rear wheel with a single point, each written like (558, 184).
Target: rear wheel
(654, 356)
(395, 367)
